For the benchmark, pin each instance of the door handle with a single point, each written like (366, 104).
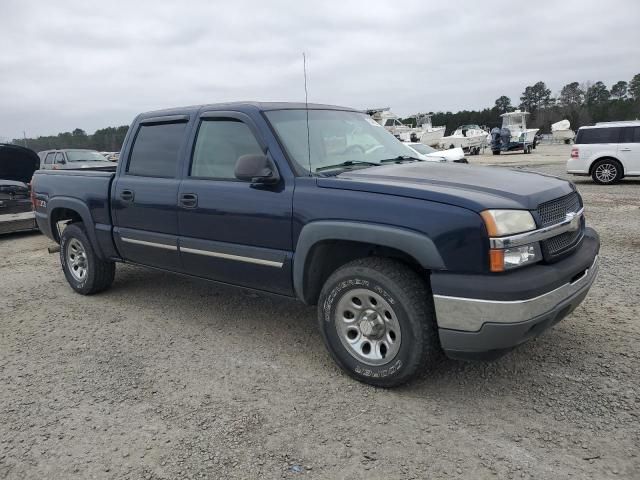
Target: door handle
(126, 195)
(188, 200)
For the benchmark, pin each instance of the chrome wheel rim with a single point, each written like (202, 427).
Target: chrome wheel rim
(368, 327)
(77, 259)
(606, 172)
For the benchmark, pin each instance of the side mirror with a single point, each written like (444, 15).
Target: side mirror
(256, 169)
(62, 161)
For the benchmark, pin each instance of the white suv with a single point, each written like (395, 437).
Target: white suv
(607, 151)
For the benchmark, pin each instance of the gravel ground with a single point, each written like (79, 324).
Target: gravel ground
(165, 377)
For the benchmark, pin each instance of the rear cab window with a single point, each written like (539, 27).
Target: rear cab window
(156, 150)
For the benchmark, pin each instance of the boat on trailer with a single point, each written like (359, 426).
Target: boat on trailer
(514, 134)
(424, 132)
(561, 132)
(471, 138)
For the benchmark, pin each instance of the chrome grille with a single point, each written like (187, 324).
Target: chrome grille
(555, 211)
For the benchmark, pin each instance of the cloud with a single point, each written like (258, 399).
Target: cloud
(70, 63)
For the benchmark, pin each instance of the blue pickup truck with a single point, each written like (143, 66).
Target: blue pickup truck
(405, 259)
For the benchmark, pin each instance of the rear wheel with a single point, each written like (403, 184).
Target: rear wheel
(85, 272)
(377, 320)
(606, 171)
(496, 152)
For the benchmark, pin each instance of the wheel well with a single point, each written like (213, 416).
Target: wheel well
(327, 256)
(62, 215)
(606, 158)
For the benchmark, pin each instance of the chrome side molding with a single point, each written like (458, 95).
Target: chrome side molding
(149, 244)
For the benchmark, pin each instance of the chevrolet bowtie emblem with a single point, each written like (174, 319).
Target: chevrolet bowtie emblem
(573, 219)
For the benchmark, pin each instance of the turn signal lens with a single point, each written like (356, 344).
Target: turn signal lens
(514, 257)
(575, 153)
(496, 260)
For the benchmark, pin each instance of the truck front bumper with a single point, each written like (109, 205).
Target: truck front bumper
(499, 312)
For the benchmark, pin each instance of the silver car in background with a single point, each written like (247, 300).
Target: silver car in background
(73, 159)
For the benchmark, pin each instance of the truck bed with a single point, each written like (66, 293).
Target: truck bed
(89, 189)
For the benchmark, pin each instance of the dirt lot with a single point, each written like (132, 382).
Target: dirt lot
(165, 377)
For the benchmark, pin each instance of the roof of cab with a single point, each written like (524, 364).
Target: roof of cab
(243, 106)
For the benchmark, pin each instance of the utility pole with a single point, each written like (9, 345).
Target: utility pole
(24, 136)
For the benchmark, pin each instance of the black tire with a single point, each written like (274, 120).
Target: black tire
(412, 306)
(98, 274)
(495, 152)
(606, 171)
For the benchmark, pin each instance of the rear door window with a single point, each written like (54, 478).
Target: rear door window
(156, 149)
(598, 135)
(630, 135)
(48, 160)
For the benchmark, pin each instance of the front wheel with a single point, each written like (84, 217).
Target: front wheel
(377, 320)
(85, 272)
(606, 172)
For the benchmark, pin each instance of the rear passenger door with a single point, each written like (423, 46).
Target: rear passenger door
(230, 230)
(145, 194)
(629, 150)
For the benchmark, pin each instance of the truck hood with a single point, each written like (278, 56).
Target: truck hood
(474, 187)
(17, 163)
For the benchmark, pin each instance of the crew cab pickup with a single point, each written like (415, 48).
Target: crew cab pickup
(405, 259)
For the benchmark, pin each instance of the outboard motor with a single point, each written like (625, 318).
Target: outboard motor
(505, 138)
(496, 142)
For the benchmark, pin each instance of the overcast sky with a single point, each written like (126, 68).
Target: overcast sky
(67, 64)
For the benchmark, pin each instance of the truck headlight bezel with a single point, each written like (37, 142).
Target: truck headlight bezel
(501, 223)
(503, 259)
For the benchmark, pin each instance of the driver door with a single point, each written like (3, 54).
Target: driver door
(233, 231)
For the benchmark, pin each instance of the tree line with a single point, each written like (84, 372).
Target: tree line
(580, 103)
(104, 140)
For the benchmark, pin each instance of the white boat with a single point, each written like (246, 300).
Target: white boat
(561, 131)
(516, 123)
(466, 137)
(389, 120)
(425, 132)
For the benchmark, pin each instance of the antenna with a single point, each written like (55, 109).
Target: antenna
(306, 106)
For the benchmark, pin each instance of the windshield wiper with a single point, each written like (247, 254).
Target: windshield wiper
(401, 158)
(348, 163)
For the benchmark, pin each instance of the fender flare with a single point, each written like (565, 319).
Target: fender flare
(81, 209)
(415, 244)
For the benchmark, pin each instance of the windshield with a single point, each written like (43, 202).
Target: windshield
(84, 156)
(422, 148)
(335, 137)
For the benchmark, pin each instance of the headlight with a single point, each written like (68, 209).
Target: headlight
(507, 222)
(510, 222)
(514, 257)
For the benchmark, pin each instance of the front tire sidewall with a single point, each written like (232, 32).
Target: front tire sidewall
(613, 163)
(85, 285)
(394, 371)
